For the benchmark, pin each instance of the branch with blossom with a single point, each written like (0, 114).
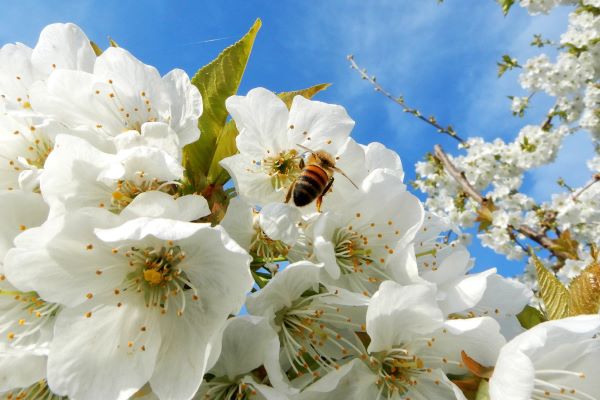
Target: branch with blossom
(126, 263)
(484, 185)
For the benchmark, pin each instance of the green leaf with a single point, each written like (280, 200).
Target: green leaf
(506, 5)
(216, 81)
(226, 147)
(584, 291)
(96, 48)
(554, 295)
(483, 393)
(288, 97)
(530, 317)
(507, 63)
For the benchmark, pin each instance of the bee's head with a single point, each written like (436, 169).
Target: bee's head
(324, 159)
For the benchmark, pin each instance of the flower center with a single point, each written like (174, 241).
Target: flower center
(396, 370)
(224, 389)
(127, 190)
(158, 274)
(38, 390)
(266, 248)
(351, 251)
(40, 149)
(307, 327)
(283, 168)
(354, 257)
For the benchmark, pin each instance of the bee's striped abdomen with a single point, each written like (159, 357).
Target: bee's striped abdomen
(309, 185)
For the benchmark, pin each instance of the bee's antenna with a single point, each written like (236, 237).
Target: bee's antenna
(336, 169)
(304, 147)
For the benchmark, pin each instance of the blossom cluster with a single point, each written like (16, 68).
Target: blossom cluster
(112, 287)
(497, 168)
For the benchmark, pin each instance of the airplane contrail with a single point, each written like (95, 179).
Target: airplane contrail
(205, 41)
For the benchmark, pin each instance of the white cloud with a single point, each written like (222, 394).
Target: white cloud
(443, 59)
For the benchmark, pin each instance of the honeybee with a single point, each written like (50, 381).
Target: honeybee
(315, 179)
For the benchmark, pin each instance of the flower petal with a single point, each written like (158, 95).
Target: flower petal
(318, 125)
(186, 105)
(63, 46)
(109, 354)
(284, 288)
(157, 204)
(261, 118)
(187, 342)
(279, 222)
(399, 313)
(19, 369)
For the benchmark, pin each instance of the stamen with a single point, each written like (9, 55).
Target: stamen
(396, 370)
(157, 273)
(307, 326)
(37, 391)
(222, 388)
(127, 190)
(283, 168)
(354, 256)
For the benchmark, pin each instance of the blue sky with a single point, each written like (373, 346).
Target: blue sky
(442, 58)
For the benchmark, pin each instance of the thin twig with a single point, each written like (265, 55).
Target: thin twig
(466, 187)
(459, 176)
(448, 130)
(591, 183)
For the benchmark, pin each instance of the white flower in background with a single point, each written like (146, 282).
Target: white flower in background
(411, 349)
(121, 94)
(269, 139)
(25, 143)
(584, 29)
(249, 357)
(573, 268)
(78, 175)
(590, 118)
(432, 258)
(26, 321)
(355, 241)
(150, 294)
(26, 136)
(553, 360)
(519, 105)
(540, 6)
(311, 323)
(535, 146)
(60, 46)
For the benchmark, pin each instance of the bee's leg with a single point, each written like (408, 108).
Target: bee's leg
(323, 193)
(288, 195)
(301, 163)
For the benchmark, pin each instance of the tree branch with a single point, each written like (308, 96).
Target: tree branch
(466, 187)
(595, 178)
(459, 176)
(400, 101)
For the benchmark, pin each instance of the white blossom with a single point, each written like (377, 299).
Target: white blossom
(152, 295)
(553, 360)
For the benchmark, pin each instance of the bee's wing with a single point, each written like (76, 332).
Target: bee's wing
(336, 169)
